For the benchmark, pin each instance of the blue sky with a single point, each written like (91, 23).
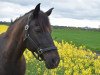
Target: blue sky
(77, 13)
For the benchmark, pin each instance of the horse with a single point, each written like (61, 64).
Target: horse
(31, 31)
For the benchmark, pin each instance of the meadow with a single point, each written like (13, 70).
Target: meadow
(89, 38)
(75, 60)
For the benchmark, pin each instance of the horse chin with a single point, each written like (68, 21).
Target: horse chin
(51, 59)
(50, 65)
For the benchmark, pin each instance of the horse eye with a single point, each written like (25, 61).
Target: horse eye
(38, 29)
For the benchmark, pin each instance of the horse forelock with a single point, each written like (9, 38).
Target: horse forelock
(43, 21)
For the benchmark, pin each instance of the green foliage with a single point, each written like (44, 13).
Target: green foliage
(89, 38)
(5, 23)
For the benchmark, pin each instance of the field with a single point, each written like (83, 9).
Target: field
(79, 37)
(89, 38)
(73, 60)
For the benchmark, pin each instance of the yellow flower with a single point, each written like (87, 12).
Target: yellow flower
(74, 60)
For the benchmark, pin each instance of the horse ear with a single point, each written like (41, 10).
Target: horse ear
(49, 11)
(36, 11)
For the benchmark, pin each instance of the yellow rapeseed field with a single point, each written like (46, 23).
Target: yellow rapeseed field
(3, 28)
(74, 61)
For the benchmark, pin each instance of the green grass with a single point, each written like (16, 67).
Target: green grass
(89, 38)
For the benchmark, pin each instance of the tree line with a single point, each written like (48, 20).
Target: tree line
(5, 23)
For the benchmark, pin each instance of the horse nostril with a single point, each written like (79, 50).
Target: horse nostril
(55, 61)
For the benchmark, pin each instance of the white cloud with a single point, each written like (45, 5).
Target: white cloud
(66, 12)
(78, 9)
(74, 22)
(10, 10)
(21, 2)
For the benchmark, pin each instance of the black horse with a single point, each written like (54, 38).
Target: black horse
(31, 31)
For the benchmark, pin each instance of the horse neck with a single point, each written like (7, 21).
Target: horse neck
(15, 44)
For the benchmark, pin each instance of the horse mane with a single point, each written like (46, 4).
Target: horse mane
(43, 21)
(18, 18)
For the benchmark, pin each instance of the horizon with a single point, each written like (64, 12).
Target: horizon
(87, 27)
(76, 13)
